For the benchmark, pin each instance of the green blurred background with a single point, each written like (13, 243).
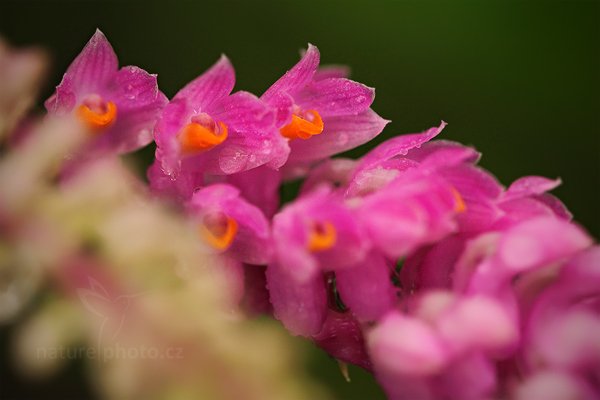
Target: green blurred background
(518, 80)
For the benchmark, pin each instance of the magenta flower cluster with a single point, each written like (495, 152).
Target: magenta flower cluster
(411, 262)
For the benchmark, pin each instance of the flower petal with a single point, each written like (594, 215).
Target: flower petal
(540, 241)
(336, 96)
(93, 67)
(297, 77)
(179, 189)
(443, 153)
(132, 87)
(168, 125)
(520, 209)
(282, 104)
(432, 267)
(553, 385)
(398, 146)
(557, 206)
(391, 148)
(478, 322)
(245, 150)
(367, 288)
(301, 306)
(242, 111)
(403, 345)
(260, 186)
(472, 377)
(214, 84)
(530, 185)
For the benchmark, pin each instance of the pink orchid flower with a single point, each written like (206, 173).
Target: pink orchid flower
(118, 106)
(206, 128)
(321, 113)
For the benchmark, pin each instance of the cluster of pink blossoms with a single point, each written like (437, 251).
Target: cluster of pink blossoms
(411, 262)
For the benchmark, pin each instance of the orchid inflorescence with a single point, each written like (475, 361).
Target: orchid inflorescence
(411, 261)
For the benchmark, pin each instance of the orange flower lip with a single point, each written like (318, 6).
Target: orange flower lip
(218, 230)
(303, 127)
(96, 113)
(459, 203)
(202, 134)
(322, 237)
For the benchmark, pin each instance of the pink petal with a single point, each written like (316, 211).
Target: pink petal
(242, 111)
(567, 313)
(260, 186)
(301, 306)
(473, 182)
(474, 258)
(214, 84)
(93, 67)
(557, 206)
(540, 241)
(367, 288)
(403, 345)
(62, 101)
(297, 77)
(244, 150)
(405, 387)
(472, 377)
(134, 130)
(554, 385)
(132, 87)
(368, 181)
(568, 340)
(336, 96)
(520, 209)
(398, 146)
(530, 185)
(478, 322)
(171, 120)
(179, 189)
(443, 153)
(87, 74)
(282, 104)
(432, 267)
